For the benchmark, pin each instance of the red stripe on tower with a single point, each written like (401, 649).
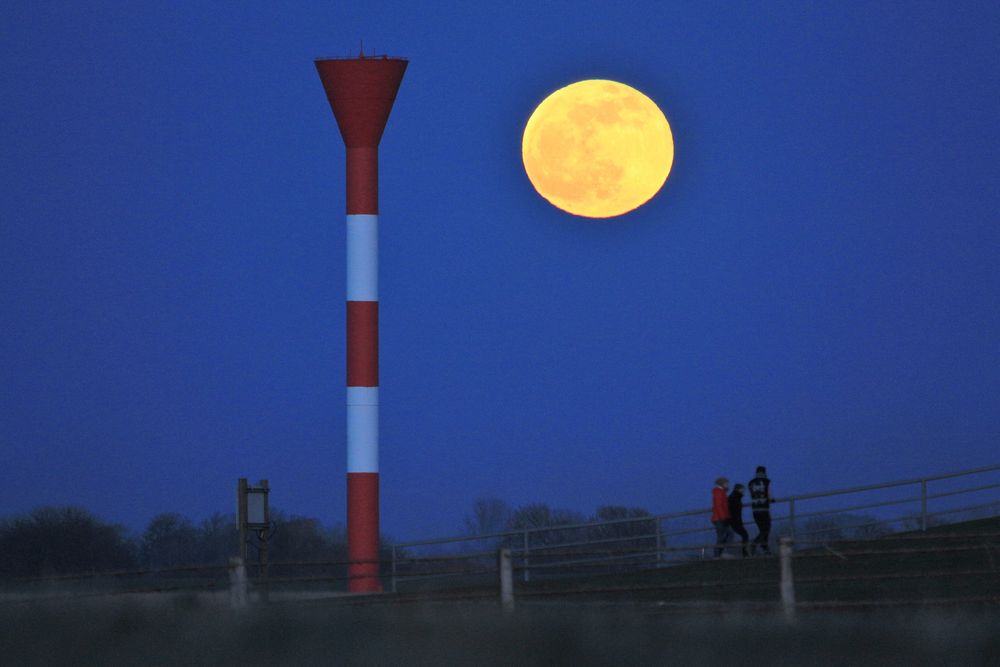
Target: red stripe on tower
(361, 92)
(362, 343)
(362, 180)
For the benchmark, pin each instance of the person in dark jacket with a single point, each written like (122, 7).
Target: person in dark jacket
(761, 497)
(736, 516)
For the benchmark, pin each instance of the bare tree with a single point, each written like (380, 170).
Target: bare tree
(170, 540)
(540, 515)
(57, 540)
(489, 515)
(218, 539)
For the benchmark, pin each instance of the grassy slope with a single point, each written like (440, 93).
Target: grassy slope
(967, 566)
(838, 574)
(553, 624)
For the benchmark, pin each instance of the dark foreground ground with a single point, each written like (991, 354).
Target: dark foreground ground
(178, 630)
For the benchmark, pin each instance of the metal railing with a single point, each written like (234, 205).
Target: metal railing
(662, 539)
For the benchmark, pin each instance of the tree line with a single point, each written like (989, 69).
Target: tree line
(64, 540)
(493, 515)
(69, 539)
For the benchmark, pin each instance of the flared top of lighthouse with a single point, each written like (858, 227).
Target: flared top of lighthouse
(361, 92)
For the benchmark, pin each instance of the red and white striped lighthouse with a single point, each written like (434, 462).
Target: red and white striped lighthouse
(361, 92)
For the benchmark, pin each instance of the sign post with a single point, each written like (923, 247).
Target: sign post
(254, 515)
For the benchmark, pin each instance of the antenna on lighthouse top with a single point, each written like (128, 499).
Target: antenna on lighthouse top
(362, 54)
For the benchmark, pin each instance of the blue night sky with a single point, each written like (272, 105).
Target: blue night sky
(815, 288)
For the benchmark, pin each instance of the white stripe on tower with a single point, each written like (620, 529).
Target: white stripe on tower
(362, 257)
(362, 429)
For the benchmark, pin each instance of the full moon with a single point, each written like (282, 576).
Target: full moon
(597, 148)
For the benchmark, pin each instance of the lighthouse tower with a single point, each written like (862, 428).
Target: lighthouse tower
(361, 92)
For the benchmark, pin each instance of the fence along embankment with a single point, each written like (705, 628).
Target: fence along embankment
(905, 541)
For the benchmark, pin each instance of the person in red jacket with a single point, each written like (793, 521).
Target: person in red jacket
(720, 515)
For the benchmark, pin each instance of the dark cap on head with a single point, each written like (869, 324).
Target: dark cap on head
(761, 469)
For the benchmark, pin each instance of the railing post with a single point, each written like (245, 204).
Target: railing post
(791, 517)
(237, 583)
(393, 568)
(923, 505)
(787, 583)
(526, 575)
(505, 572)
